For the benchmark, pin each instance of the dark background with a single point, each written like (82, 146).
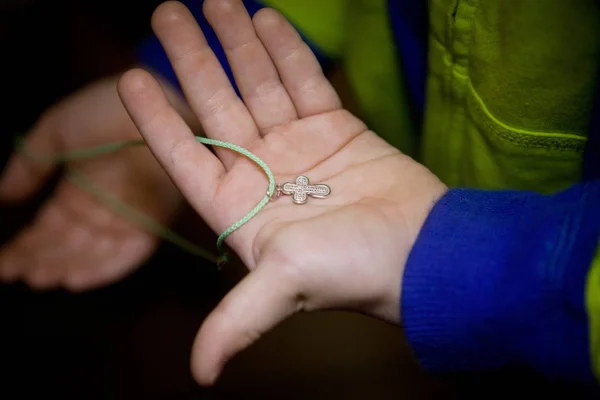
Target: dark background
(133, 340)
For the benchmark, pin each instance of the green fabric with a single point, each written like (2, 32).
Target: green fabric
(593, 306)
(510, 91)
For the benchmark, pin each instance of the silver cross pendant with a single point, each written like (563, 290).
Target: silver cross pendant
(302, 189)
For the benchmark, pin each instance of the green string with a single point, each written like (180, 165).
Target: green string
(80, 179)
(77, 177)
(212, 142)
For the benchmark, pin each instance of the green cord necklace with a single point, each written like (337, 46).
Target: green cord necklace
(300, 191)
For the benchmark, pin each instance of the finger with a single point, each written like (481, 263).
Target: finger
(47, 265)
(60, 246)
(221, 112)
(23, 175)
(107, 260)
(18, 256)
(14, 257)
(192, 167)
(263, 299)
(255, 75)
(298, 67)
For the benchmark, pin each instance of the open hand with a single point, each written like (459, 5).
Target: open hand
(346, 251)
(76, 242)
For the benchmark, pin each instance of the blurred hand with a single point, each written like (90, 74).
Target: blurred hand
(346, 251)
(74, 241)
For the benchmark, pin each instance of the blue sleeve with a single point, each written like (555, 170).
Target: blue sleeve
(151, 54)
(496, 279)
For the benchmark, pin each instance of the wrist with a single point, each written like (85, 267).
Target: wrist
(422, 196)
(414, 201)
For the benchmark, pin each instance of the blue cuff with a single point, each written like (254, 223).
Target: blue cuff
(151, 54)
(496, 279)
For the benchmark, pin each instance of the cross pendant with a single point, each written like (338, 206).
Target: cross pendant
(302, 189)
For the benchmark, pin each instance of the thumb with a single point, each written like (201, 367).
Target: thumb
(264, 298)
(23, 174)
